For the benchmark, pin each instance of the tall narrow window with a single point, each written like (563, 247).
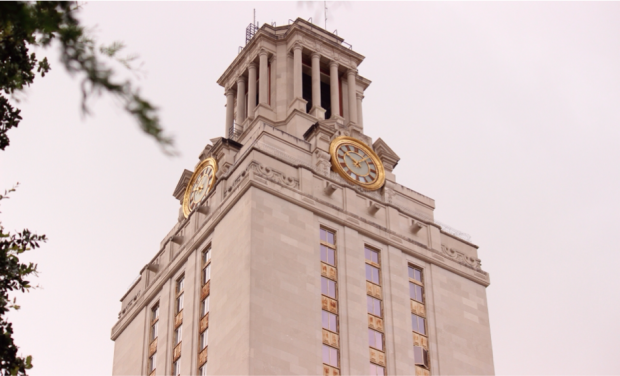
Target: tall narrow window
(329, 321)
(373, 303)
(204, 306)
(206, 256)
(204, 339)
(330, 356)
(152, 363)
(176, 368)
(374, 306)
(415, 274)
(328, 287)
(375, 339)
(329, 313)
(178, 326)
(203, 326)
(154, 321)
(418, 319)
(206, 274)
(371, 255)
(179, 290)
(415, 292)
(376, 370)
(178, 335)
(328, 255)
(372, 274)
(179, 303)
(180, 283)
(418, 324)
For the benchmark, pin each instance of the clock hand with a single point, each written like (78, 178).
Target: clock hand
(362, 160)
(356, 163)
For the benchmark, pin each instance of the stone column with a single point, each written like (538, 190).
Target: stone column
(263, 90)
(351, 78)
(230, 111)
(316, 80)
(297, 90)
(272, 91)
(240, 99)
(334, 90)
(360, 118)
(251, 90)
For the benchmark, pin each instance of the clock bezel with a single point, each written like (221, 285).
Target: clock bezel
(333, 149)
(203, 165)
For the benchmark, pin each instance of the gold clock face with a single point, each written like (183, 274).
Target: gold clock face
(199, 185)
(357, 163)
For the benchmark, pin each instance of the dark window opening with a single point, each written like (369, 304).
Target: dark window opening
(306, 90)
(326, 99)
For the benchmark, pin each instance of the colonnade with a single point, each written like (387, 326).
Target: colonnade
(354, 98)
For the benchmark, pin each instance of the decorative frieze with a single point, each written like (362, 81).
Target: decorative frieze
(330, 338)
(377, 357)
(373, 290)
(375, 323)
(204, 323)
(329, 304)
(462, 258)
(329, 271)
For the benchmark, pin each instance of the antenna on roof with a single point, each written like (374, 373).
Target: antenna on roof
(325, 12)
(254, 22)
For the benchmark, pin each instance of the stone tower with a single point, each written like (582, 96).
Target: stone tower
(296, 251)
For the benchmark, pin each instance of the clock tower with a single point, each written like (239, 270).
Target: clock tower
(295, 250)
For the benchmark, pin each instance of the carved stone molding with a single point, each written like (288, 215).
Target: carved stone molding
(320, 162)
(270, 174)
(461, 258)
(264, 172)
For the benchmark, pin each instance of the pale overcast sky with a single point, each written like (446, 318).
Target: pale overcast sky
(507, 114)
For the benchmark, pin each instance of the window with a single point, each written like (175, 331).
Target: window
(329, 321)
(330, 356)
(204, 306)
(328, 287)
(375, 339)
(206, 274)
(374, 305)
(420, 355)
(204, 339)
(415, 292)
(180, 284)
(179, 304)
(178, 335)
(376, 370)
(176, 368)
(203, 370)
(418, 324)
(328, 255)
(372, 256)
(154, 321)
(206, 256)
(327, 236)
(415, 273)
(154, 331)
(152, 362)
(372, 274)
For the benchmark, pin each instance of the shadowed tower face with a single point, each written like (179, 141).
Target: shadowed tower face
(295, 250)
